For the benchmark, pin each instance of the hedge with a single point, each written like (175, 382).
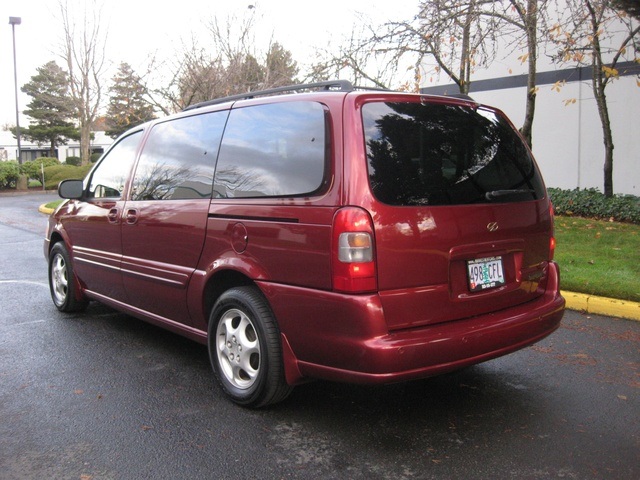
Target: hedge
(9, 173)
(33, 168)
(55, 174)
(590, 203)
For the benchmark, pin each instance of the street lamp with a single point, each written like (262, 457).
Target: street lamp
(16, 21)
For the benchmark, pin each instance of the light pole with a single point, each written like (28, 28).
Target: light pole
(16, 21)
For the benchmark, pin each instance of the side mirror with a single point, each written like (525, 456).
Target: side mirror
(71, 189)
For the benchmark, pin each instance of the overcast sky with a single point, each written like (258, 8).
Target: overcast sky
(139, 28)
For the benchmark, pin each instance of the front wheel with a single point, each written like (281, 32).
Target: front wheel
(245, 349)
(62, 281)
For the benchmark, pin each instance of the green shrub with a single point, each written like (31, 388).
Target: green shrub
(55, 174)
(9, 173)
(33, 168)
(95, 157)
(73, 161)
(590, 203)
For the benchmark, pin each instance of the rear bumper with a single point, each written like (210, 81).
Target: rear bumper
(345, 338)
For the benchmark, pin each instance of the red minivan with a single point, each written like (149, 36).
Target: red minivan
(317, 231)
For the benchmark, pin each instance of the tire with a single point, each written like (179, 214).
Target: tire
(62, 281)
(245, 349)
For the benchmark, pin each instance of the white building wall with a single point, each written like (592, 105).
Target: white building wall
(568, 139)
(9, 146)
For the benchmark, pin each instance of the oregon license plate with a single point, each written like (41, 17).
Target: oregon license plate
(485, 273)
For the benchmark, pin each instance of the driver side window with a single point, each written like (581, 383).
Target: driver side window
(109, 177)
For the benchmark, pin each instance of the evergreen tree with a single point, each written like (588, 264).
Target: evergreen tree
(127, 104)
(49, 108)
(281, 69)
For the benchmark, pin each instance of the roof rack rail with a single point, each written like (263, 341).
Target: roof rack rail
(462, 96)
(331, 85)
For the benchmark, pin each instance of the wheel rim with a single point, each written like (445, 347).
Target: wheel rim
(238, 349)
(59, 279)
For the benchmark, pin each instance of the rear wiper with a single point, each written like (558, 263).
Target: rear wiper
(503, 193)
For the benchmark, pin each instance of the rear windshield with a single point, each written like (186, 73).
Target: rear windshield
(436, 154)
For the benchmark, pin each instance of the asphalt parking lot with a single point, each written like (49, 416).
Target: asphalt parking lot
(101, 395)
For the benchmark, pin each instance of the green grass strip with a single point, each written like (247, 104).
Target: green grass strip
(599, 257)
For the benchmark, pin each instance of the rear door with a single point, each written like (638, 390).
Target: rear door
(461, 218)
(164, 222)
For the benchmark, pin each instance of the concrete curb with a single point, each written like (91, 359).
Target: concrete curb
(575, 301)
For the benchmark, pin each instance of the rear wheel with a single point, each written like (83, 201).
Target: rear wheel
(245, 348)
(62, 281)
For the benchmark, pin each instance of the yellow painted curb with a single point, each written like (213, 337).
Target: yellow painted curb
(45, 210)
(602, 306)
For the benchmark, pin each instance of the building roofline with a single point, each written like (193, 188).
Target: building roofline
(577, 74)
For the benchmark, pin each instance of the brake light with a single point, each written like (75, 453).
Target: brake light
(352, 263)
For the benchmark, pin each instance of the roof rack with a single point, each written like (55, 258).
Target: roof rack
(462, 96)
(332, 85)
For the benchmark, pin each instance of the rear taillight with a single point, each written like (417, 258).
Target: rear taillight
(353, 254)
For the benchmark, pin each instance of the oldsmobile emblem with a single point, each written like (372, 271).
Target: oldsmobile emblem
(492, 227)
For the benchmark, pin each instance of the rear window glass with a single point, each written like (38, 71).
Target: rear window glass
(273, 150)
(436, 154)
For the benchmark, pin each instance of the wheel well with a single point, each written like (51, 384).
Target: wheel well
(220, 283)
(55, 238)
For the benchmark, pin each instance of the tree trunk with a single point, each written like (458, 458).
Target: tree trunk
(530, 21)
(599, 83)
(85, 142)
(465, 56)
(603, 111)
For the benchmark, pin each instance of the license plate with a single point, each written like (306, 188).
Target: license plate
(485, 273)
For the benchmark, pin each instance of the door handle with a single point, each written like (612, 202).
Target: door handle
(112, 216)
(131, 217)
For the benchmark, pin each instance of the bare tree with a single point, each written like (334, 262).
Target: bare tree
(360, 58)
(246, 68)
(459, 36)
(227, 62)
(83, 53)
(596, 34)
(447, 37)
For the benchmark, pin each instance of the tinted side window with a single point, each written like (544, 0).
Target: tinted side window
(178, 159)
(108, 179)
(273, 150)
(435, 154)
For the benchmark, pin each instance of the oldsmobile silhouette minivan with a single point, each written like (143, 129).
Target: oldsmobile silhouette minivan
(317, 231)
